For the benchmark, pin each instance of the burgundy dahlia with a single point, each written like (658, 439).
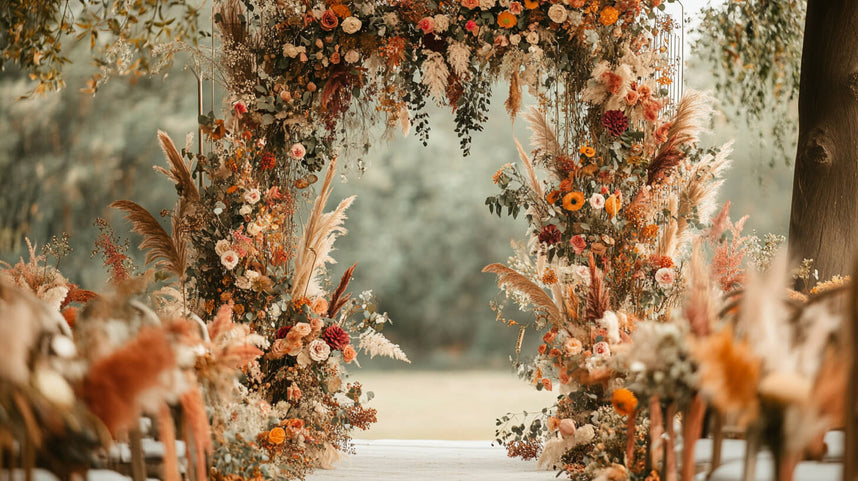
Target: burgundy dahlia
(281, 333)
(615, 121)
(336, 337)
(550, 234)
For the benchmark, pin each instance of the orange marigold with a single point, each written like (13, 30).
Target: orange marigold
(507, 20)
(609, 16)
(573, 201)
(624, 401)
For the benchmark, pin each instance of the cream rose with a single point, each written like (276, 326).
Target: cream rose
(557, 13)
(664, 277)
(302, 329)
(222, 246)
(319, 350)
(597, 201)
(252, 196)
(229, 259)
(352, 56)
(351, 25)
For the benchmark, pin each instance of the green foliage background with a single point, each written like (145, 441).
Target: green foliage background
(419, 229)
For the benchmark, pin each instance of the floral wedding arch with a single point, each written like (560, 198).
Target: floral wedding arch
(615, 191)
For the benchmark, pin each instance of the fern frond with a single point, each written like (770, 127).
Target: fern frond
(374, 344)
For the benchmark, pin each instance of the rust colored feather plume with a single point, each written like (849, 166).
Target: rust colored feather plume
(685, 128)
(598, 297)
(511, 279)
(180, 171)
(513, 101)
(338, 299)
(161, 248)
(114, 383)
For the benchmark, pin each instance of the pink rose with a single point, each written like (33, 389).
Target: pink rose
(252, 196)
(229, 259)
(578, 243)
(316, 324)
(472, 4)
(515, 8)
(602, 349)
(572, 346)
(240, 108)
(427, 24)
(471, 26)
(665, 277)
(597, 201)
(297, 151)
(567, 427)
(302, 329)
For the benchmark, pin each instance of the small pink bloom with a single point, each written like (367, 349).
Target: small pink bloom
(297, 151)
(472, 4)
(229, 259)
(471, 26)
(665, 277)
(240, 108)
(567, 427)
(578, 243)
(602, 349)
(604, 190)
(427, 24)
(252, 196)
(515, 8)
(597, 201)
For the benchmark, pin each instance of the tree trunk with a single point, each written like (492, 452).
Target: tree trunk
(824, 218)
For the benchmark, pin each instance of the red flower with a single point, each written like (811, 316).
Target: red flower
(329, 20)
(268, 161)
(281, 333)
(471, 26)
(336, 337)
(240, 108)
(550, 234)
(616, 122)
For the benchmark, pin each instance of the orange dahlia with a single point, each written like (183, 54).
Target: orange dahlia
(573, 201)
(624, 401)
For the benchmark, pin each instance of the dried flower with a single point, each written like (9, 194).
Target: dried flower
(550, 234)
(276, 436)
(351, 25)
(578, 243)
(297, 151)
(616, 122)
(507, 20)
(557, 13)
(664, 277)
(609, 16)
(329, 20)
(229, 259)
(336, 337)
(624, 401)
(573, 201)
(319, 350)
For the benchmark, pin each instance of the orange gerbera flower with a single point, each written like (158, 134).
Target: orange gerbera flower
(552, 196)
(609, 16)
(573, 201)
(507, 20)
(276, 436)
(624, 401)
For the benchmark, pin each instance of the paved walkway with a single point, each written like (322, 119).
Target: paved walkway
(400, 460)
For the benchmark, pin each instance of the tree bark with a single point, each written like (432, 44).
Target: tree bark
(824, 218)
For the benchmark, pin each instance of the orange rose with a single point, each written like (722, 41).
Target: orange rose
(549, 337)
(276, 436)
(546, 383)
(349, 353)
(613, 204)
(320, 306)
(507, 20)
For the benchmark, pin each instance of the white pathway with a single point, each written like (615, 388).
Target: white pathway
(400, 460)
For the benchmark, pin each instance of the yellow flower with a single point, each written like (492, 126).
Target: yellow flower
(613, 204)
(507, 20)
(609, 16)
(276, 436)
(624, 401)
(573, 201)
(587, 151)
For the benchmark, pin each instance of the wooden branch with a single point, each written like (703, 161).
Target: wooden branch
(138, 460)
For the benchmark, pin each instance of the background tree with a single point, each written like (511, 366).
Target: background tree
(755, 43)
